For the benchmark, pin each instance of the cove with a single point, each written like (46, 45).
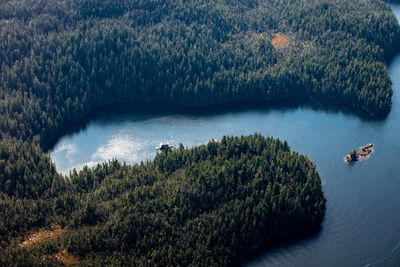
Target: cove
(361, 225)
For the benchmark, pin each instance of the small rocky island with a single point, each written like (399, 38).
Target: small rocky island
(365, 151)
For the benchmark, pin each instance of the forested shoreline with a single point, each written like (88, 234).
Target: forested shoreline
(205, 206)
(60, 60)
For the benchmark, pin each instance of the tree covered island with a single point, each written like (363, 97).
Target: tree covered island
(205, 206)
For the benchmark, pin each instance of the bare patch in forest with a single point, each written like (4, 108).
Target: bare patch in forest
(280, 41)
(66, 258)
(42, 235)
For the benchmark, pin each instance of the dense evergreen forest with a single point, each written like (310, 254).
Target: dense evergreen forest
(205, 206)
(61, 59)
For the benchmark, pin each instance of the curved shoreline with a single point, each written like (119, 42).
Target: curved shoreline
(268, 104)
(127, 107)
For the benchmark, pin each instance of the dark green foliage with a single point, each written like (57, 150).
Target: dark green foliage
(25, 172)
(353, 154)
(59, 60)
(205, 206)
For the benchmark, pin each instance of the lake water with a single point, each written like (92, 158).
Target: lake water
(362, 222)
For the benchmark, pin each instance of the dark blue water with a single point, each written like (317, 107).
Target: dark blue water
(362, 223)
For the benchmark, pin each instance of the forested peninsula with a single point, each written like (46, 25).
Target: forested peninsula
(205, 206)
(60, 60)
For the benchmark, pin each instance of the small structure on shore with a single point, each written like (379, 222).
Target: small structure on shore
(164, 147)
(365, 151)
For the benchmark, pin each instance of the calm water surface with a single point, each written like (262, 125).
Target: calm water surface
(362, 222)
